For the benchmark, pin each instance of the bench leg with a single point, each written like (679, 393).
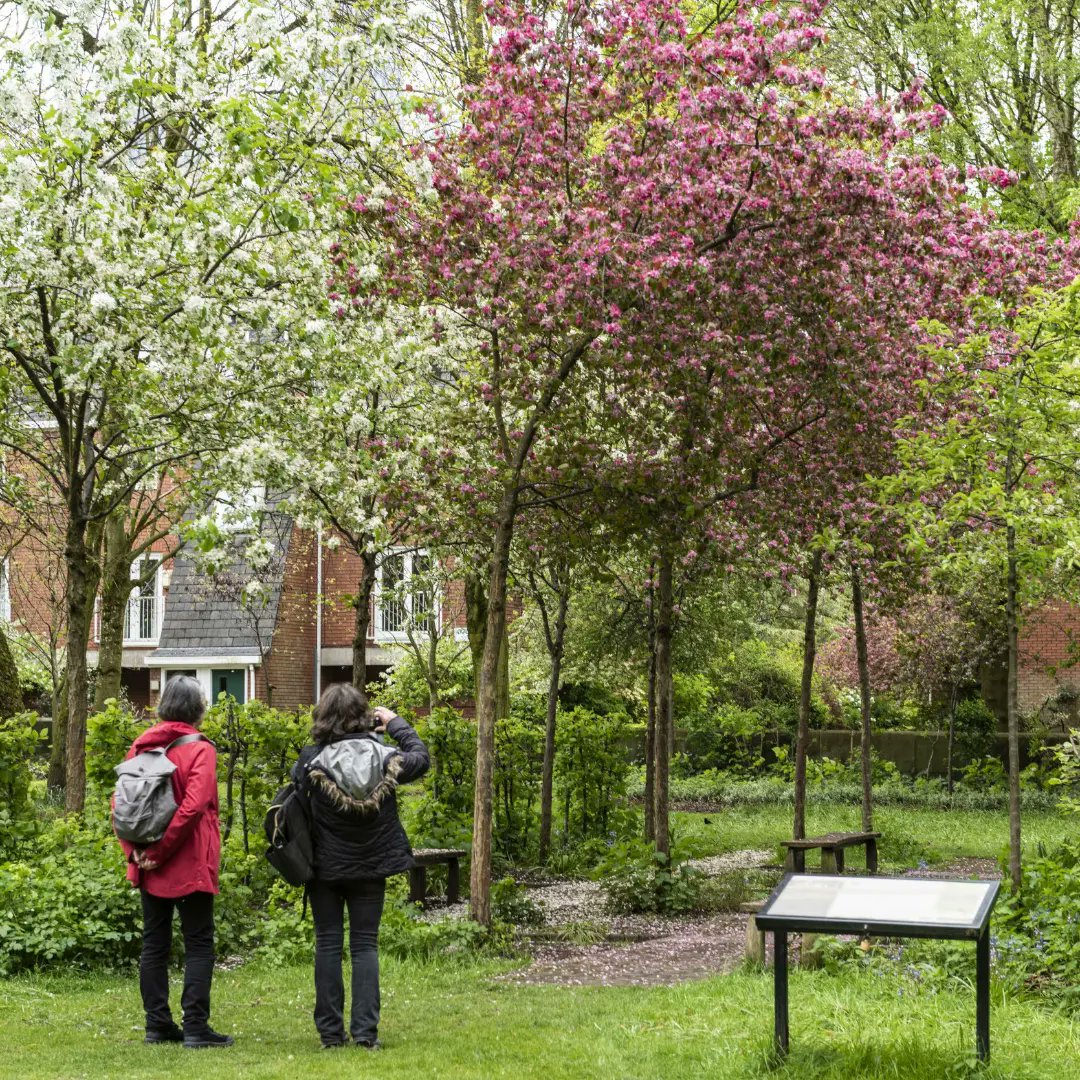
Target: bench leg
(453, 882)
(417, 884)
(795, 861)
(832, 860)
(755, 942)
(871, 856)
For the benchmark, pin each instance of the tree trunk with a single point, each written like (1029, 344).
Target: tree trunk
(82, 579)
(547, 783)
(1013, 711)
(502, 684)
(362, 625)
(57, 778)
(476, 616)
(802, 740)
(864, 701)
(951, 742)
(664, 630)
(650, 727)
(477, 609)
(487, 709)
(115, 594)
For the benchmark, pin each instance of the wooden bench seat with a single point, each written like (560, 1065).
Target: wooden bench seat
(832, 851)
(425, 857)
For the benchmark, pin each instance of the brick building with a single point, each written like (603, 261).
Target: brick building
(283, 644)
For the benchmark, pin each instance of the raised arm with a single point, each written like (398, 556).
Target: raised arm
(415, 760)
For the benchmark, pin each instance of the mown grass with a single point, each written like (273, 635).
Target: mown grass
(461, 1022)
(908, 835)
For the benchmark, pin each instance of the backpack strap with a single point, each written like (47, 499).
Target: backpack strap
(184, 740)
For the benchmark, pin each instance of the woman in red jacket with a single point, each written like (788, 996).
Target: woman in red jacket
(180, 872)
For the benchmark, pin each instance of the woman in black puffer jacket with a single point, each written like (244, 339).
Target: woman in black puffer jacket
(350, 778)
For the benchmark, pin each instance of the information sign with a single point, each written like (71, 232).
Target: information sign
(881, 907)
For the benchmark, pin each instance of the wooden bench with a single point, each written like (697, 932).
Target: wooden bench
(425, 857)
(832, 851)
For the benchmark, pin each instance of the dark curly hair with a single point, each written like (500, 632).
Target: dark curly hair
(342, 710)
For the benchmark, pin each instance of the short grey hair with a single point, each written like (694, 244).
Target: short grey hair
(182, 700)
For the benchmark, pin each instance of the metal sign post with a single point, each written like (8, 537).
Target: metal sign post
(881, 907)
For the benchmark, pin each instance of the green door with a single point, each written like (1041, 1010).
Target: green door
(230, 681)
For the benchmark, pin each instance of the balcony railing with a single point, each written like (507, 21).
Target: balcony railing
(142, 620)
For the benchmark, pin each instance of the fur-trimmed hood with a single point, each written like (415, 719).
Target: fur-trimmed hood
(322, 780)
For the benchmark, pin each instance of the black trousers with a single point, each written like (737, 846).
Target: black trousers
(197, 923)
(364, 900)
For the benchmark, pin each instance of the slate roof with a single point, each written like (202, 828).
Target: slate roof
(204, 614)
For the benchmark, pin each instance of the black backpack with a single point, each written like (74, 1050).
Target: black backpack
(288, 832)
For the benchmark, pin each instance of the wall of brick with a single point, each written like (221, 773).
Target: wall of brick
(1049, 660)
(290, 670)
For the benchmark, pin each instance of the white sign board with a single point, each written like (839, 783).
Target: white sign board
(903, 901)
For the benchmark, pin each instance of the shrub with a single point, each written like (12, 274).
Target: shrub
(257, 747)
(1040, 941)
(109, 735)
(11, 695)
(591, 771)
(68, 906)
(635, 877)
(768, 679)
(510, 903)
(724, 738)
(405, 686)
(519, 755)
(975, 726)
(19, 742)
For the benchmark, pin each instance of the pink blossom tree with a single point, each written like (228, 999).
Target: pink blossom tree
(640, 222)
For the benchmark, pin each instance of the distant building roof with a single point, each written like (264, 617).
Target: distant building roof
(207, 614)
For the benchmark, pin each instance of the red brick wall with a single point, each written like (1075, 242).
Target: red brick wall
(1049, 654)
(290, 668)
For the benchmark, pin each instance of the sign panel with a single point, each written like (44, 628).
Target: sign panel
(898, 902)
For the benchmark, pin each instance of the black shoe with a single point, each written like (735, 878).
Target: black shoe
(204, 1040)
(171, 1034)
(369, 1044)
(334, 1045)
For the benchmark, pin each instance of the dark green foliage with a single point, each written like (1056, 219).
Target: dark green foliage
(109, 735)
(406, 687)
(67, 904)
(635, 877)
(591, 773)
(1041, 924)
(11, 696)
(519, 756)
(256, 747)
(767, 679)
(975, 727)
(510, 903)
(19, 742)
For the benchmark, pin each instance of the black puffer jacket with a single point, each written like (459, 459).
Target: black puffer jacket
(362, 841)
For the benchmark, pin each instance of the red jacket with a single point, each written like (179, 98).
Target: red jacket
(189, 854)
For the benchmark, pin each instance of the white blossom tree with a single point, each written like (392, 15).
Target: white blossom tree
(169, 176)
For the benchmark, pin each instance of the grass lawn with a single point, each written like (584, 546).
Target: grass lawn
(908, 834)
(460, 1022)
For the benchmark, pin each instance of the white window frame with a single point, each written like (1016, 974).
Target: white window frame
(408, 555)
(158, 597)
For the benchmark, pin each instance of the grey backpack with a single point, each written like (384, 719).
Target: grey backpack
(143, 802)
